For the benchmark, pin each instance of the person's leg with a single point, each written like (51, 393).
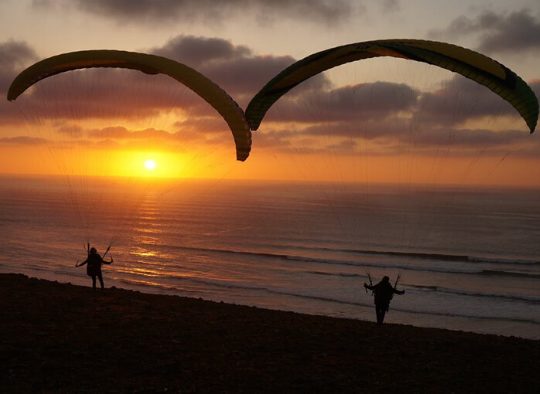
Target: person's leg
(380, 314)
(100, 276)
(94, 282)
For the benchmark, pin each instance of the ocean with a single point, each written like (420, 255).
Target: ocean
(468, 259)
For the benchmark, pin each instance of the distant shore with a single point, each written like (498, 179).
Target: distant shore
(65, 338)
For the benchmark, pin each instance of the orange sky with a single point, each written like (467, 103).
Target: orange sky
(382, 121)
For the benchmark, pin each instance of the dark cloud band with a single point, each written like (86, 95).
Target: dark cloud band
(329, 12)
(514, 32)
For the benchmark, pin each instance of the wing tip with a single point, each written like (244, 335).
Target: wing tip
(532, 124)
(242, 155)
(13, 93)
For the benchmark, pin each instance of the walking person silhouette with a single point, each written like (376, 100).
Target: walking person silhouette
(93, 262)
(383, 293)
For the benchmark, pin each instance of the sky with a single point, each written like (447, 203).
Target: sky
(379, 120)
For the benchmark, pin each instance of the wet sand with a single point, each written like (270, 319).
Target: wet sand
(65, 338)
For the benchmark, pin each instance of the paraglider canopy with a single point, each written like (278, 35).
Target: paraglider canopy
(149, 64)
(473, 65)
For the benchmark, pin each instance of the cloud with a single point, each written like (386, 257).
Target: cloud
(514, 32)
(123, 133)
(518, 31)
(389, 5)
(208, 124)
(122, 137)
(22, 140)
(14, 56)
(199, 50)
(71, 130)
(330, 12)
(115, 93)
(235, 68)
(462, 99)
(396, 117)
(356, 102)
(395, 135)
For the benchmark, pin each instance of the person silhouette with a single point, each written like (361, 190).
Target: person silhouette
(383, 293)
(93, 266)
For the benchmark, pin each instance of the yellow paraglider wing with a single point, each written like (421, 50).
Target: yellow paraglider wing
(466, 62)
(150, 64)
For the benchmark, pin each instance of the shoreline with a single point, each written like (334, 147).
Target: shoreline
(63, 337)
(466, 323)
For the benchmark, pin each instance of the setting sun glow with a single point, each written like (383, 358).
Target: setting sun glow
(150, 165)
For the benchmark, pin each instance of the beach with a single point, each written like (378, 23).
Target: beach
(64, 338)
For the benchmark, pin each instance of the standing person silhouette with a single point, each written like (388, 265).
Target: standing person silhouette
(383, 292)
(93, 266)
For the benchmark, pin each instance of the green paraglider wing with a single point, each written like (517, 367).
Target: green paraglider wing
(150, 64)
(466, 62)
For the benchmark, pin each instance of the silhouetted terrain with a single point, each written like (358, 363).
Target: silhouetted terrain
(65, 338)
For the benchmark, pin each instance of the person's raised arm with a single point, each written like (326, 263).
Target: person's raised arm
(83, 263)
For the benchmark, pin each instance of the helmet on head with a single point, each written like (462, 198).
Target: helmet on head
(386, 279)
(93, 250)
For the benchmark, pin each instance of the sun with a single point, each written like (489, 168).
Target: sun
(150, 164)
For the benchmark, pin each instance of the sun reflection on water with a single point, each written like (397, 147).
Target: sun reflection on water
(144, 253)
